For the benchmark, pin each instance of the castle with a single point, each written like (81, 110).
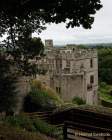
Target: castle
(71, 71)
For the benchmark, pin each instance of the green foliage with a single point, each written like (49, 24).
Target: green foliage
(7, 86)
(105, 92)
(46, 128)
(41, 98)
(38, 101)
(20, 122)
(105, 64)
(78, 101)
(31, 125)
(26, 14)
(105, 73)
(7, 132)
(37, 85)
(27, 49)
(34, 47)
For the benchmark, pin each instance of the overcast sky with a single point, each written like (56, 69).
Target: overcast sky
(101, 31)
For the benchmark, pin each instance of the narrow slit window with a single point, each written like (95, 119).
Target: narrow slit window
(91, 79)
(91, 63)
(58, 90)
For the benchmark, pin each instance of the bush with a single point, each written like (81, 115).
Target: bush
(45, 128)
(37, 85)
(31, 125)
(20, 122)
(41, 98)
(78, 101)
(11, 133)
(105, 92)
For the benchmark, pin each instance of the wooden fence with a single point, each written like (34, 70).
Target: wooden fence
(75, 121)
(41, 115)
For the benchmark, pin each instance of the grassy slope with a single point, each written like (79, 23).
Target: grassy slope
(11, 133)
(105, 93)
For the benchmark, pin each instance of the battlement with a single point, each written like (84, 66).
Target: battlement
(71, 53)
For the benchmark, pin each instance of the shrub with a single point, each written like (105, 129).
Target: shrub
(38, 101)
(78, 101)
(105, 92)
(37, 85)
(11, 133)
(31, 125)
(41, 98)
(45, 128)
(20, 122)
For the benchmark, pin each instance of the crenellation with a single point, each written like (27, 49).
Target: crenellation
(70, 54)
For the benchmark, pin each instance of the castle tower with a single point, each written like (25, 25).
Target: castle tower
(49, 43)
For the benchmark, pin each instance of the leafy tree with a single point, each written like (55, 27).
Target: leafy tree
(20, 18)
(7, 86)
(105, 65)
(31, 48)
(41, 11)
